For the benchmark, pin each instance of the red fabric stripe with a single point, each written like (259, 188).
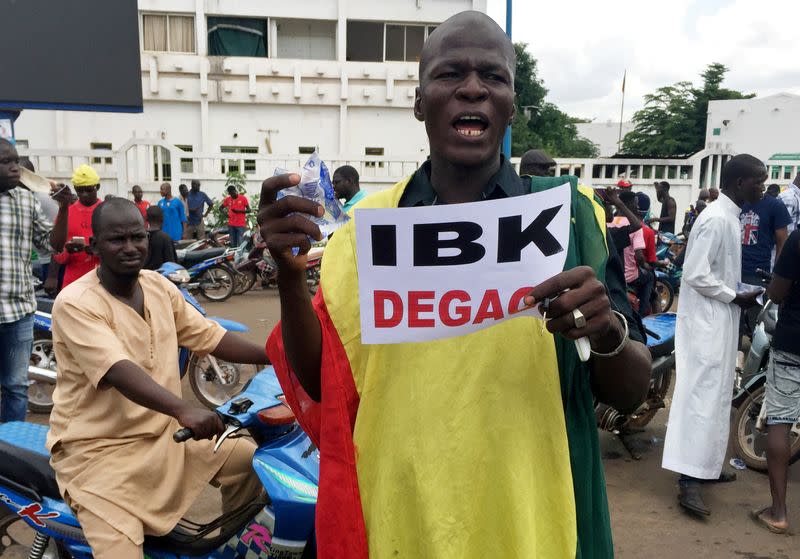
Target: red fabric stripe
(340, 528)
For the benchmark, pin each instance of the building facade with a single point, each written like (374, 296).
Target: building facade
(266, 77)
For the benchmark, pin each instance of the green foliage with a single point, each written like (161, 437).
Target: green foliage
(538, 123)
(673, 120)
(218, 217)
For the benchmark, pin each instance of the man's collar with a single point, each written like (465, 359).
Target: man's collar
(13, 192)
(505, 183)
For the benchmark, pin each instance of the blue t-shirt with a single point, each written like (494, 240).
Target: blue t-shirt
(759, 222)
(196, 202)
(173, 217)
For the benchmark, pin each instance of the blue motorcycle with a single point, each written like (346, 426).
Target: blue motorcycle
(278, 526)
(210, 272)
(670, 270)
(42, 366)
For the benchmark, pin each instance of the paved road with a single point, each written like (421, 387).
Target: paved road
(646, 519)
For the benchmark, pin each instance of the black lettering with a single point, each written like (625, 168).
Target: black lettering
(511, 239)
(427, 243)
(384, 245)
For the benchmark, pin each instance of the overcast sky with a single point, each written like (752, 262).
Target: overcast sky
(584, 46)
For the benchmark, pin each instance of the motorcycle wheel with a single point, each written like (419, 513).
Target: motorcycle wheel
(40, 394)
(217, 283)
(749, 443)
(244, 281)
(656, 395)
(663, 296)
(16, 538)
(209, 389)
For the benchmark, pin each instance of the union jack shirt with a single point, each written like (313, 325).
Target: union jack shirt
(23, 225)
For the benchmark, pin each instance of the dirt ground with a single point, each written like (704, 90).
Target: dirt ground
(646, 519)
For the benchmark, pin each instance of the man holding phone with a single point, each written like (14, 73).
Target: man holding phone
(73, 227)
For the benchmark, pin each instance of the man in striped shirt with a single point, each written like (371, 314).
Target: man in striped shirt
(23, 225)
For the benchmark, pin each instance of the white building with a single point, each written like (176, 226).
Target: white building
(263, 78)
(605, 135)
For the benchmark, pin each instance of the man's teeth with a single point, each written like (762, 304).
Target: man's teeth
(468, 132)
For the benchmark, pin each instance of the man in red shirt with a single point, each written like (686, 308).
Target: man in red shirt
(141, 203)
(238, 206)
(647, 278)
(73, 227)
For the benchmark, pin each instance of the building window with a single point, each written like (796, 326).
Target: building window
(306, 150)
(166, 164)
(717, 131)
(775, 172)
(365, 41)
(237, 36)
(187, 163)
(168, 33)
(373, 151)
(21, 143)
(787, 173)
(306, 39)
(99, 160)
(404, 42)
(239, 165)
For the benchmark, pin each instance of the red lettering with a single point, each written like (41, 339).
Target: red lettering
(462, 312)
(381, 298)
(415, 307)
(491, 307)
(516, 299)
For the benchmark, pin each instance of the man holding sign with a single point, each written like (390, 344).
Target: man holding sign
(422, 381)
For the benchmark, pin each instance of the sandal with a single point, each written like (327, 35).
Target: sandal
(758, 518)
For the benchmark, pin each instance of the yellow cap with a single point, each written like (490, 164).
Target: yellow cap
(85, 175)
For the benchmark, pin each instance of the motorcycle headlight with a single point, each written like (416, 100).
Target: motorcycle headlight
(179, 276)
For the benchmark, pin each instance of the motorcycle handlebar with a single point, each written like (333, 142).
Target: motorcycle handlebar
(763, 274)
(182, 435)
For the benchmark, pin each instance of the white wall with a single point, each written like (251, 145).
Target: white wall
(399, 132)
(760, 126)
(604, 134)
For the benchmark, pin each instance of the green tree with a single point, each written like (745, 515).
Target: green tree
(538, 123)
(673, 120)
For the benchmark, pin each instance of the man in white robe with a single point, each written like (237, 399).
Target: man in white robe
(706, 335)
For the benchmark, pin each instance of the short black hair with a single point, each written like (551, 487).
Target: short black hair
(154, 214)
(231, 189)
(627, 196)
(115, 205)
(664, 185)
(741, 166)
(348, 172)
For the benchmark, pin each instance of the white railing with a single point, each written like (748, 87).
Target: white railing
(149, 162)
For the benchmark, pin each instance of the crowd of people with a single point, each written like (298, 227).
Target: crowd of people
(396, 425)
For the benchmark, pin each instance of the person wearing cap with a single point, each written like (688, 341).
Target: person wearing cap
(647, 277)
(73, 227)
(536, 163)
(624, 184)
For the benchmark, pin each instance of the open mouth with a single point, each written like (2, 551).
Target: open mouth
(471, 125)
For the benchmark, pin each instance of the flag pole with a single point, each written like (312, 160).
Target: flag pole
(621, 111)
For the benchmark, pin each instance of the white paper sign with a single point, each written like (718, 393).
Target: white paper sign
(441, 271)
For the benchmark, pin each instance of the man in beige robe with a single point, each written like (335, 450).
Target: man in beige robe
(118, 399)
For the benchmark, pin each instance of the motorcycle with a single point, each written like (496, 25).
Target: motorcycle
(286, 461)
(660, 330)
(210, 272)
(213, 380)
(749, 433)
(668, 273)
(259, 265)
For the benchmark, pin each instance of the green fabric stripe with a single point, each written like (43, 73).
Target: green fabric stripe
(586, 248)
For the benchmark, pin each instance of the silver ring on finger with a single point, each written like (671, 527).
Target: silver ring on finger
(580, 320)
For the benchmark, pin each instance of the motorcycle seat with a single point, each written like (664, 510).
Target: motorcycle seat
(44, 305)
(24, 460)
(660, 330)
(196, 256)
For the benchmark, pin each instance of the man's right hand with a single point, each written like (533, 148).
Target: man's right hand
(204, 423)
(282, 231)
(747, 299)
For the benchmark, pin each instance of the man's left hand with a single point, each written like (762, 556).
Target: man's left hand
(61, 194)
(578, 289)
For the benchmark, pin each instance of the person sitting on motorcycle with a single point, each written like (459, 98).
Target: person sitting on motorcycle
(160, 248)
(402, 427)
(118, 401)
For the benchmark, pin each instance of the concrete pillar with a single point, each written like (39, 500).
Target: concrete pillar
(200, 28)
(341, 32)
(343, 147)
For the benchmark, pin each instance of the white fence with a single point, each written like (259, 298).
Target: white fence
(149, 162)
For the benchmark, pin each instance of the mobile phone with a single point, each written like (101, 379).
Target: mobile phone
(78, 241)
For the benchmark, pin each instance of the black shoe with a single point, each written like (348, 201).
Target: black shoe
(691, 499)
(725, 477)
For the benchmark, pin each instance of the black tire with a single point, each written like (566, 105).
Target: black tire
(749, 443)
(658, 393)
(40, 394)
(217, 283)
(245, 280)
(663, 296)
(206, 386)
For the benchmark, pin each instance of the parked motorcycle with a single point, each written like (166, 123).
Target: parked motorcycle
(42, 365)
(668, 274)
(210, 272)
(258, 264)
(286, 461)
(660, 330)
(749, 435)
